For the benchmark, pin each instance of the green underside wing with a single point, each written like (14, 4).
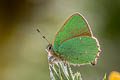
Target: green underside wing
(74, 26)
(78, 50)
(75, 42)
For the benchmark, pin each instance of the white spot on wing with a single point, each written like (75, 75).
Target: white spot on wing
(80, 38)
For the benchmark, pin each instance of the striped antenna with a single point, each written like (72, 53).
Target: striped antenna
(42, 35)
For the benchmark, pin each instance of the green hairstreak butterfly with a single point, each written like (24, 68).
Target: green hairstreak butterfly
(74, 42)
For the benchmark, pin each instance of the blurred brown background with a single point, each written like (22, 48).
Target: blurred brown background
(22, 50)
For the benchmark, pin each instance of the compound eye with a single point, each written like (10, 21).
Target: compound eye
(49, 48)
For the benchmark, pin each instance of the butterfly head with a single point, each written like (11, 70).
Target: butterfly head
(49, 48)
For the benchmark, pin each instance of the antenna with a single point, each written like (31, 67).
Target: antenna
(43, 36)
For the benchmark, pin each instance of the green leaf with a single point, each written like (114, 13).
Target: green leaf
(62, 71)
(69, 72)
(53, 73)
(56, 68)
(77, 76)
(105, 77)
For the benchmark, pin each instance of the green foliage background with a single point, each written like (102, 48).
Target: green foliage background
(22, 50)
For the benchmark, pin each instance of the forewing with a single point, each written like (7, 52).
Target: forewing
(74, 26)
(79, 50)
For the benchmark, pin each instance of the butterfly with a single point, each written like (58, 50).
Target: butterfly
(74, 42)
